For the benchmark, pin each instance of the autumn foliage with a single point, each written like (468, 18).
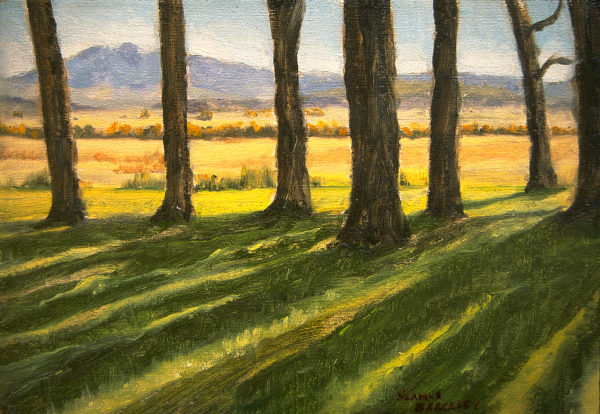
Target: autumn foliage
(252, 129)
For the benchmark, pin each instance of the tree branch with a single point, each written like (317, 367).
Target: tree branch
(542, 24)
(553, 60)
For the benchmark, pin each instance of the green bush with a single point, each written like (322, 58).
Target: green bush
(315, 182)
(40, 179)
(264, 177)
(258, 178)
(87, 131)
(145, 181)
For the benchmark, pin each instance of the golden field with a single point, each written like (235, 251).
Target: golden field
(493, 159)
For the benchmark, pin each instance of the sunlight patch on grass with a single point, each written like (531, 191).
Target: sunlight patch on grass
(73, 277)
(66, 256)
(274, 241)
(313, 317)
(113, 398)
(352, 396)
(91, 285)
(587, 395)
(94, 317)
(513, 396)
(189, 312)
(322, 245)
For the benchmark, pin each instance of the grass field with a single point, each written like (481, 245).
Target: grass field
(238, 312)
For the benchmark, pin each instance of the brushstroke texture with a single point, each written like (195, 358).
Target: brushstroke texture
(375, 214)
(585, 16)
(444, 198)
(177, 204)
(61, 149)
(293, 182)
(541, 172)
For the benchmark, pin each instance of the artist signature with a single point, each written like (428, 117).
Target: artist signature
(433, 401)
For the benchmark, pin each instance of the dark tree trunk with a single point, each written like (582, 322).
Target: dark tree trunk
(293, 183)
(444, 198)
(541, 172)
(585, 17)
(177, 204)
(67, 205)
(375, 214)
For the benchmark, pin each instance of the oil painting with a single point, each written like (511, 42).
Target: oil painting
(299, 206)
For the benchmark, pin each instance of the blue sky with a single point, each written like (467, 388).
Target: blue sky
(238, 30)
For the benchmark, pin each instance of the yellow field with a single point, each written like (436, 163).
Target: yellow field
(495, 117)
(499, 160)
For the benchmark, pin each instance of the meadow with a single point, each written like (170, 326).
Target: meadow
(241, 312)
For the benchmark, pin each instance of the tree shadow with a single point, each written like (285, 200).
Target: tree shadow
(502, 274)
(536, 195)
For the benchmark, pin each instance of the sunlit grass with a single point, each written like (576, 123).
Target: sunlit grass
(238, 312)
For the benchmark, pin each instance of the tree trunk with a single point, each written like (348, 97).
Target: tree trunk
(541, 172)
(585, 17)
(444, 198)
(67, 205)
(177, 204)
(375, 214)
(293, 183)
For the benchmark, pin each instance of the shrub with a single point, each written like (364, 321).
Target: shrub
(204, 115)
(315, 181)
(403, 179)
(258, 178)
(264, 177)
(87, 131)
(40, 179)
(145, 181)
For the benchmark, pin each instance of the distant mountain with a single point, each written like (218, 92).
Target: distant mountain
(127, 68)
(121, 76)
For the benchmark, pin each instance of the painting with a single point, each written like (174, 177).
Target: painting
(299, 206)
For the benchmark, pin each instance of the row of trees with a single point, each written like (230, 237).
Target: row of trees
(375, 214)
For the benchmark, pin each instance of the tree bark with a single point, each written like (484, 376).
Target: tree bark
(541, 172)
(375, 214)
(293, 182)
(61, 148)
(177, 204)
(444, 199)
(585, 17)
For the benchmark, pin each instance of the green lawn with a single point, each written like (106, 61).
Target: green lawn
(236, 312)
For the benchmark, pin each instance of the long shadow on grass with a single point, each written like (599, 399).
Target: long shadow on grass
(537, 195)
(290, 273)
(261, 301)
(532, 289)
(210, 390)
(149, 264)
